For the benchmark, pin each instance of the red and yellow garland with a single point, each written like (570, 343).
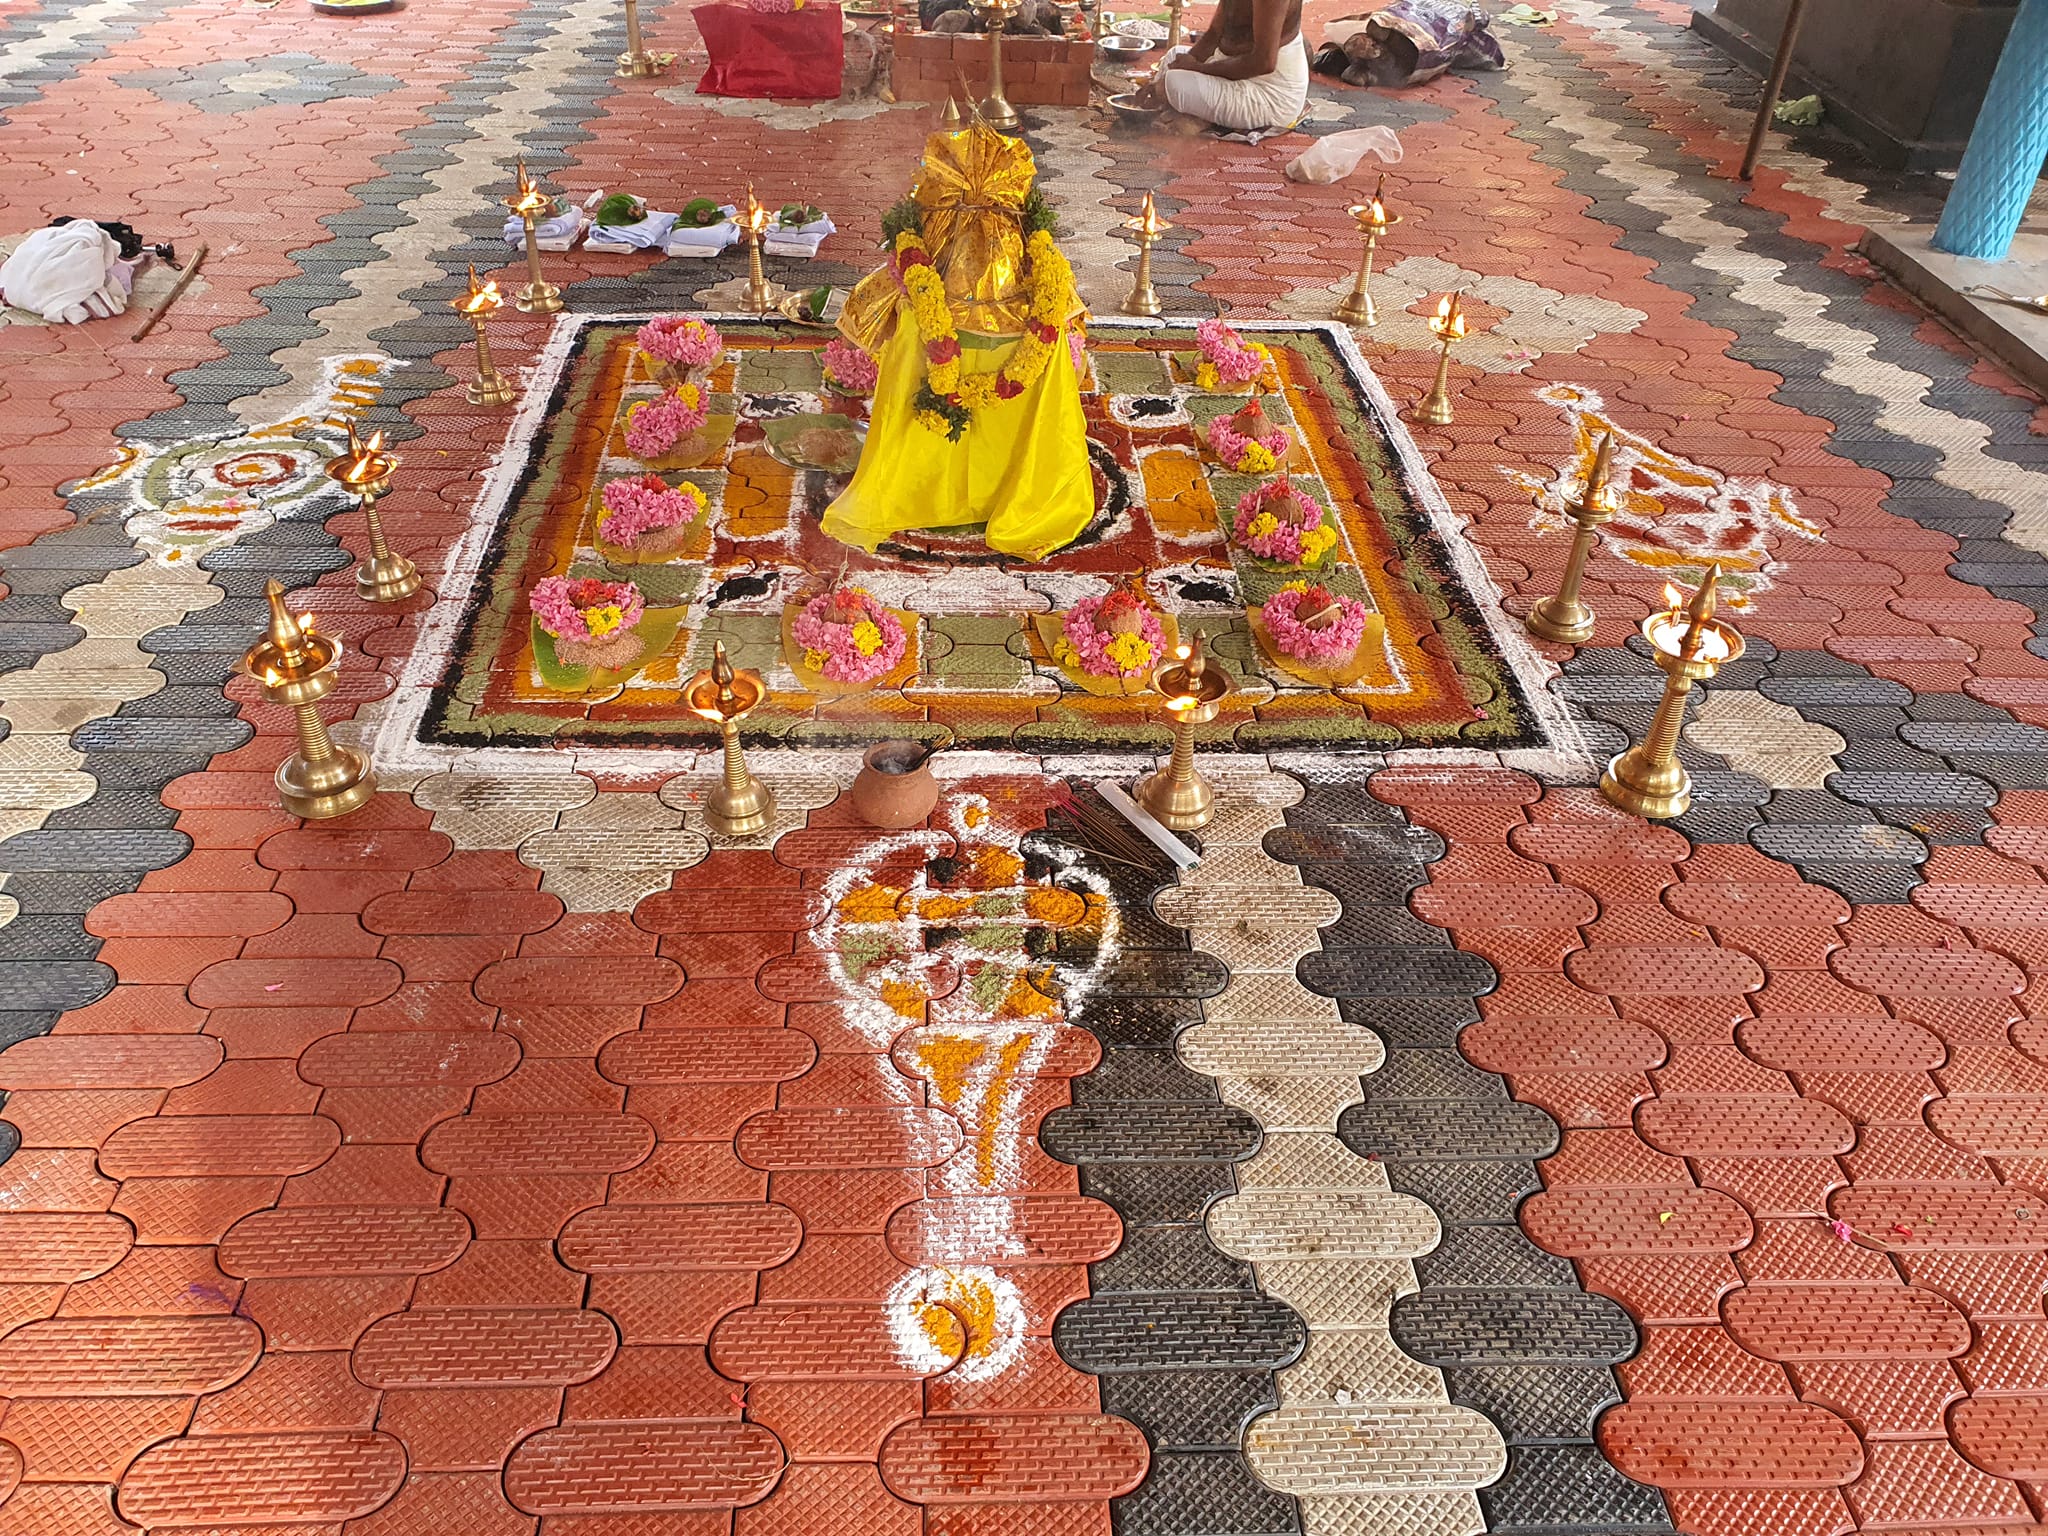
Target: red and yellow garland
(947, 403)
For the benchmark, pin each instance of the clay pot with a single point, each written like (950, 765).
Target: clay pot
(895, 788)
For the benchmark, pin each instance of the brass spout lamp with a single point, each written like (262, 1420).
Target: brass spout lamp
(477, 306)
(1147, 227)
(741, 805)
(1448, 322)
(761, 295)
(1374, 221)
(1565, 618)
(539, 296)
(365, 473)
(996, 111)
(636, 62)
(1176, 796)
(1691, 645)
(296, 666)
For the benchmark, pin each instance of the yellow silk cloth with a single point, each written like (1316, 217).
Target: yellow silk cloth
(1022, 467)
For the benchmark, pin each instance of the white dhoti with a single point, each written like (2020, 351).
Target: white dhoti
(1264, 101)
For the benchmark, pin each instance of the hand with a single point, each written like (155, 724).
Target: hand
(1184, 61)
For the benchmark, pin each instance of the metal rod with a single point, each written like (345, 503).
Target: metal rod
(1781, 63)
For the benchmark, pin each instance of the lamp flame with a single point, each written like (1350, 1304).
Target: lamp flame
(272, 677)
(756, 217)
(1673, 596)
(1449, 321)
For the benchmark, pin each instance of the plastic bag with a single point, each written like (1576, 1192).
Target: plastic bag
(1336, 155)
(65, 274)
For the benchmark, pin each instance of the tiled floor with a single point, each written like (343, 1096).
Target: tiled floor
(1447, 1154)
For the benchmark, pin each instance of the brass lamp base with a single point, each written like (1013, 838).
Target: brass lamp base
(386, 578)
(1143, 301)
(740, 810)
(1179, 804)
(1000, 115)
(638, 66)
(1358, 309)
(1433, 409)
(1565, 622)
(1636, 782)
(538, 299)
(333, 786)
(492, 389)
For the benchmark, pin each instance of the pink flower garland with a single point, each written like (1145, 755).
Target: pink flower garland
(1277, 521)
(644, 504)
(683, 340)
(849, 368)
(1235, 362)
(1339, 642)
(565, 607)
(1232, 446)
(1106, 653)
(848, 636)
(654, 427)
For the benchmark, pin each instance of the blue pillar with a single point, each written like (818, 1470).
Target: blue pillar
(2006, 149)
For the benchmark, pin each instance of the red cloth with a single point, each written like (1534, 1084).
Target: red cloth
(797, 55)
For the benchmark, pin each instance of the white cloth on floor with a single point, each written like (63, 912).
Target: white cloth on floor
(803, 241)
(556, 234)
(1264, 101)
(65, 274)
(707, 239)
(649, 233)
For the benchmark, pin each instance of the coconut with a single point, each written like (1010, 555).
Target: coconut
(1317, 609)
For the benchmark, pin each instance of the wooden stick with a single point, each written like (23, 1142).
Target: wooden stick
(1774, 84)
(185, 277)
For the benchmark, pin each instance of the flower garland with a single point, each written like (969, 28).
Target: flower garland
(1247, 442)
(1312, 623)
(583, 609)
(1115, 635)
(654, 427)
(1277, 521)
(643, 505)
(848, 368)
(681, 340)
(848, 636)
(1227, 359)
(775, 7)
(947, 402)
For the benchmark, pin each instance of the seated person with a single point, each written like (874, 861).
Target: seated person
(1247, 72)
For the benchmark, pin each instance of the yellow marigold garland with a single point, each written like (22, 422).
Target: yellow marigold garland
(947, 403)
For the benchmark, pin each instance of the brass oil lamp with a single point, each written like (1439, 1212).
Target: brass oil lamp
(365, 473)
(477, 306)
(1449, 324)
(1147, 227)
(1373, 223)
(1565, 618)
(296, 666)
(1691, 646)
(1176, 796)
(741, 805)
(539, 296)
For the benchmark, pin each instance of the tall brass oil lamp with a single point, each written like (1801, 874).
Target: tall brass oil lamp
(365, 473)
(996, 111)
(1177, 797)
(741, 805)
(636, 62)
(1449, 324)
(1691, 645)
(296, 667)
(1373, 223)
(539, 296)
(477, 306)
(761, 295)
(1565, 618)
(1147, 227)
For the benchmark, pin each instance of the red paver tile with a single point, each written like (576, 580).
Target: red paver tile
(484, 1348)
(1730, 1444)
(1699, 1361)
(614, 980)
(537, 1144)
(708, 1055)
(1830, 1043)
(64, 1509)
(1561, 1045)
(257, 1479)
(641, 1238)
(827, 1341)
(1664, 972)
(354, 849)
(1753, 1127)
(55, 1247)
(1047, 1229)
(386, 1058)
(286, 1391)
(812, 1498)
(462, 912)
(338, 1241)
(862, 1137)
(224, 913)
(1938, 1219)
(1583, 1222)
(219, 1145)
(834, 1420)
(92, 1062)
(1909, 1483)
(433, 1504)
(1014, 1459)
(53, 1179)
(1883, 1399)
(468, 1428)
(2005, 1436)
(332, 983)
(1831, 1322)
(645, 1467)
(1928, 972)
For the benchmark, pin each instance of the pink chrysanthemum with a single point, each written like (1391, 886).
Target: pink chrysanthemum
(683, 340)
(1335, 639)
(584, 608)
(1115, 635)
(654, 427)
(849, 368)
(848, 635)
(645, 504)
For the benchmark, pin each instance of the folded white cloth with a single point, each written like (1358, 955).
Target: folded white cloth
(803, 241)
(556, 234)
(706, 241)
(65, 274)
(650, 232)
